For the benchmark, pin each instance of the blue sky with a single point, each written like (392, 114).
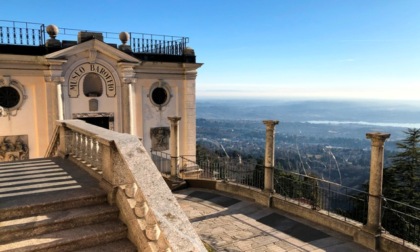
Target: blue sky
(268, 49)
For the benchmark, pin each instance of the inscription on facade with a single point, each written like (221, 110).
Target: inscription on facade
(160, 138)
(78, 74)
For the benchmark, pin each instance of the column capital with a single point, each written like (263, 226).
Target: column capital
(377, 138)
(127, 80)
(270, 123)
(174, 119)
(54, 79)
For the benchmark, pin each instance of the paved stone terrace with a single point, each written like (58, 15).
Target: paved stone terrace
(229, 223)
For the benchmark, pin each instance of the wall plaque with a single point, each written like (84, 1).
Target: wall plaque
(14, 148)
(79, 73)
(160, 138)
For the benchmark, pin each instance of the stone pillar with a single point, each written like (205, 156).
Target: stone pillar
(174, 144)
(370, 233)
(269, 156)
(375, 180)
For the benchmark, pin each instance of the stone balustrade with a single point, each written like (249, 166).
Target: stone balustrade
(125, 170)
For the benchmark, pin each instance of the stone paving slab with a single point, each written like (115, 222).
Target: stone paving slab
(229, 223)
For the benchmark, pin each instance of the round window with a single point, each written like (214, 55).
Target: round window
(160, 94)
(9, 97)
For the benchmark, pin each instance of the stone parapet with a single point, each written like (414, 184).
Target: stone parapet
(335, 222)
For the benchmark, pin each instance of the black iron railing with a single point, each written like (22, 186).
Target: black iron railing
(249, 174)
(322, 195)
(158, 44)
(33, 34)
(22, 33)
(401, 220)
(162, 161)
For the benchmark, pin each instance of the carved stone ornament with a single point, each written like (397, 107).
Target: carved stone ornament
(14, 148)
(160, 138)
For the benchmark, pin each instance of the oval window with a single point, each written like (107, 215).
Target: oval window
(159, 96)
(9, 97)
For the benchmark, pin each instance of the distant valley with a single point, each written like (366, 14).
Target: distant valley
(325, 138)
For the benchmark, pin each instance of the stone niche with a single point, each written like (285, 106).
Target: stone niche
(160, 138)
(14, 148)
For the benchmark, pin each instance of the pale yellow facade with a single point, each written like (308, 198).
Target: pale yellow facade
(95, 80)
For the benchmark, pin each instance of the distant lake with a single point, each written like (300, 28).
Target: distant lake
(398, 125)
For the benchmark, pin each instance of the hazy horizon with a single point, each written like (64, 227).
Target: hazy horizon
(401, 114)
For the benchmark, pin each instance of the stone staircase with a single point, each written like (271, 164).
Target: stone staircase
(51, 205)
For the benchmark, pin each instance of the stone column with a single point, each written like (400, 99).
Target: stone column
(269, 155)
(174, 144)
(375, 180)
(370, 233)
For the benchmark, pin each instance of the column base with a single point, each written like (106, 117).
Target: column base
(368, 238)
(265, 197)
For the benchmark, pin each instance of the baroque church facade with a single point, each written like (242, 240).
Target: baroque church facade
(131, 88)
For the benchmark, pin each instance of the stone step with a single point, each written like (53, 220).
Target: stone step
(70, 239)
(123, 245)
(49, 203)
(54, 221)
(29, 162)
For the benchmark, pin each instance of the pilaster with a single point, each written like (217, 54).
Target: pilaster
(127, 78)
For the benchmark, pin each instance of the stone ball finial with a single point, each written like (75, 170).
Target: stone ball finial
(188, 51)
(124, 37)
(52, 30)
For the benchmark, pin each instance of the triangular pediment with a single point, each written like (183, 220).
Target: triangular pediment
(93, 45)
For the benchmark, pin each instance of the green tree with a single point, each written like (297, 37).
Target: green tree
(402, 184)
(402, 179)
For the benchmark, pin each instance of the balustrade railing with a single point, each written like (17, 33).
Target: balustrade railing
(33, 34)
(128, 175)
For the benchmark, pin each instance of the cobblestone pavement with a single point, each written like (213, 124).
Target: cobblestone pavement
(229, 223)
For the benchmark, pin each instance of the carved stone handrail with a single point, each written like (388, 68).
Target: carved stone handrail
(125, 170)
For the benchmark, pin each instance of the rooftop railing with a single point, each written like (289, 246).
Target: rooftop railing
(34, 34)
(22, 33)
